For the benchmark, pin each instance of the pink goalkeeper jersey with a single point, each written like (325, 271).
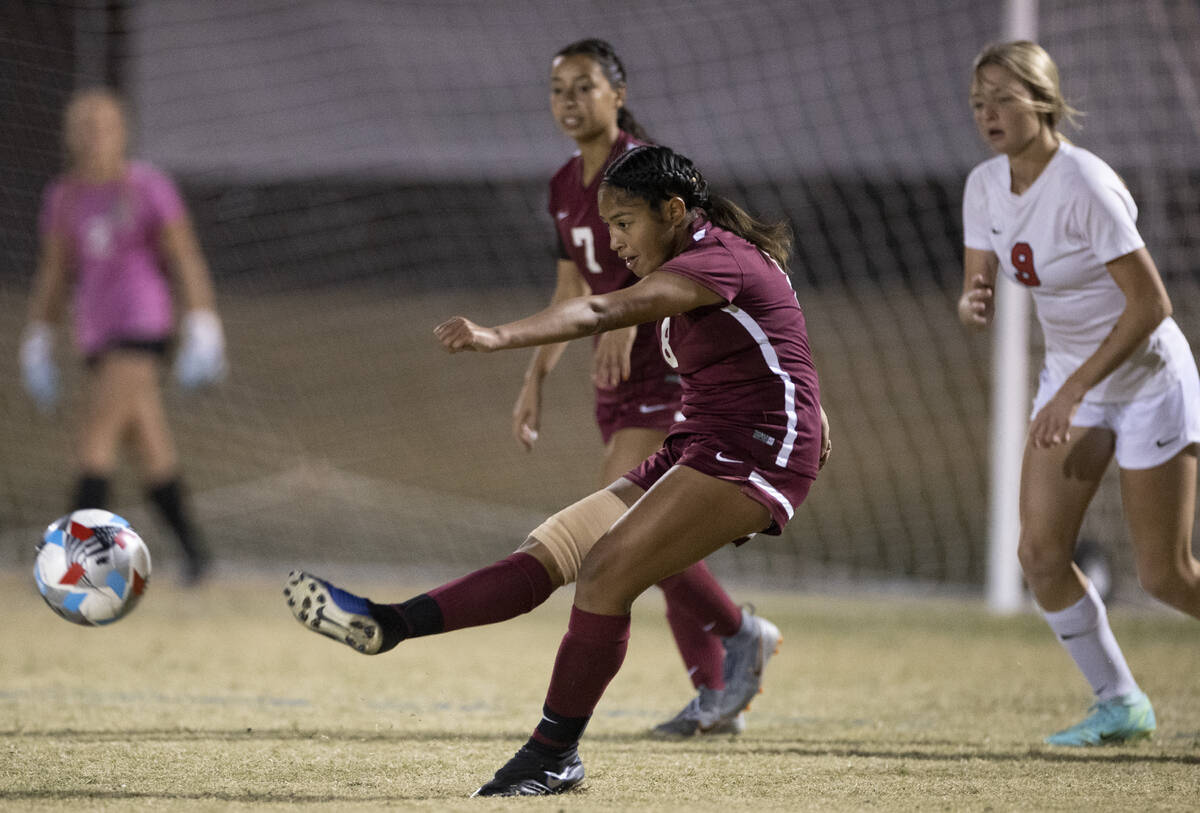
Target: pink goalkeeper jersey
(746, 367)
(585, 242)
(112, 232)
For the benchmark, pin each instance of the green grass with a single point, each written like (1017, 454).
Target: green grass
(216, 699)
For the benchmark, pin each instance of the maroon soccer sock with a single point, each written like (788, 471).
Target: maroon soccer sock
(500, 591)
(589, 657)
(700, 613)
(703, 653)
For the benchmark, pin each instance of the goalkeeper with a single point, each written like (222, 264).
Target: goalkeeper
(112, 229)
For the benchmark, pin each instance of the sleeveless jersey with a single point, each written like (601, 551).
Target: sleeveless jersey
(112, 232)
(1056, 238)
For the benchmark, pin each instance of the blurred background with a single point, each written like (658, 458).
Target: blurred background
(359, 170)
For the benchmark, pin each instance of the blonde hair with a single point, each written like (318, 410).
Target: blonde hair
(1034, 68)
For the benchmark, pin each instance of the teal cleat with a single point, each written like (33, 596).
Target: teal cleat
(1123, 719)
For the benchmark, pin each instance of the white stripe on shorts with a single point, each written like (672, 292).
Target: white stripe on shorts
(789, 387)
(772, 492)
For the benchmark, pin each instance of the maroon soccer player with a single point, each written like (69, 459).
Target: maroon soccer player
(637, 393)
(637, 400)
(740, 462)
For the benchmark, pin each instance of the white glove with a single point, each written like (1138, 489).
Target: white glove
(201, 358)
(39, 374)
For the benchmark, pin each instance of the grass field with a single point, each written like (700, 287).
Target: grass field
(216, 699)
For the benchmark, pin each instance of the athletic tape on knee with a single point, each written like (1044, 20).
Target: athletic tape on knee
(570, 534)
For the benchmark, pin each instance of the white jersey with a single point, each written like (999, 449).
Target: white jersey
(1055, 238)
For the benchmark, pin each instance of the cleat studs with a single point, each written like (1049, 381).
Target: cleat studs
(306, 603)
(302, 615)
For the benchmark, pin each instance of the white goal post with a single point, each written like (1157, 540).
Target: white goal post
(1009, 402)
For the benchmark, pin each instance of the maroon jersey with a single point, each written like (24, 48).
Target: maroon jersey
(746, 367)
(583, 239)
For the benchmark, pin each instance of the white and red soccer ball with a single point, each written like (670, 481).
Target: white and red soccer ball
(92, 567)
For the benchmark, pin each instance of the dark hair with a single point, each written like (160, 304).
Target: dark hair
(602, 53)
(657, 174)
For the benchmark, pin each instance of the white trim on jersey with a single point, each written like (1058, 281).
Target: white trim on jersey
(789, 387)
(772, 492)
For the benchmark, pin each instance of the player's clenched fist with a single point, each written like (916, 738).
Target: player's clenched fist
(459, 333)
(977, 305)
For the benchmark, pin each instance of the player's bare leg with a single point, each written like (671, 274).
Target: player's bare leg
(1160, 506)
(1057, 484)
(127, 404)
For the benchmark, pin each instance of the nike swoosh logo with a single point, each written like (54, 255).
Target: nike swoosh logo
(561, 215)
(1162, 443)
(556, 779)
(725, 459)
(646, 409)
(995, 231)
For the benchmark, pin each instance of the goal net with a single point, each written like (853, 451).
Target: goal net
(359, 170)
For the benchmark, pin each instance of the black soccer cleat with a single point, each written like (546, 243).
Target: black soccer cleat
(529, 773)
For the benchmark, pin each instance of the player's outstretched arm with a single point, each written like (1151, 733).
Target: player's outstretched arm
(658, 295)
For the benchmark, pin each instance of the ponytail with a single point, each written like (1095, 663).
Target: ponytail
(774, 239)
(629, 124)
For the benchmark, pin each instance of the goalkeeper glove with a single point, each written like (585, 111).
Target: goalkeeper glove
(39, 374)
(201, 359)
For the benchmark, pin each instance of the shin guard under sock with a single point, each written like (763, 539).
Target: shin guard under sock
(700, 613)
(503, 590)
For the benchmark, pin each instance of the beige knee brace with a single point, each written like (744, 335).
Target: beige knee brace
(570, 534)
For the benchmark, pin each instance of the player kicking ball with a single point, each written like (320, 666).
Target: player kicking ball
(741, 462)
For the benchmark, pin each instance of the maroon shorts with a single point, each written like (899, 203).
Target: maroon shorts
(780, 490)
(646, 407)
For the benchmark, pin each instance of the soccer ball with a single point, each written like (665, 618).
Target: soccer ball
(92, 567)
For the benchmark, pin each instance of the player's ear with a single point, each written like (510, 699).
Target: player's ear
(675, 211)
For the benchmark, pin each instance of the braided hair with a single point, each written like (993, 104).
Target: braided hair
(603, 54)
(656, 174)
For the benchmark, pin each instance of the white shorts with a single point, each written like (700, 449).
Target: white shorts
(1150, 430)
